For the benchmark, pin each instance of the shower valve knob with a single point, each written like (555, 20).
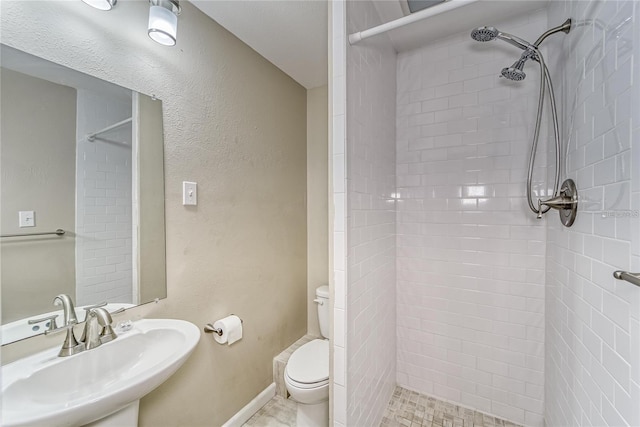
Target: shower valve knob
(566, 203)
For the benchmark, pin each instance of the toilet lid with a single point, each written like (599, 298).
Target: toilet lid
(310, 363)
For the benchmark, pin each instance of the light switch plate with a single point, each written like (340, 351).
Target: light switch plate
(189, 193)
(26, 219)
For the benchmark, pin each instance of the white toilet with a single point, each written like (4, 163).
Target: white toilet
(307, 372)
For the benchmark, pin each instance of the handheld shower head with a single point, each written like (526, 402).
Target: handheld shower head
(484, 34)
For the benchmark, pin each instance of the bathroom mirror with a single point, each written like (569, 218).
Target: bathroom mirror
(82, 193)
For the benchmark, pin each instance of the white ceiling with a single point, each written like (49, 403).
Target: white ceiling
(292, 34)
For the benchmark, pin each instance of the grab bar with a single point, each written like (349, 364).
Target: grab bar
(629, 277)
(58, 232)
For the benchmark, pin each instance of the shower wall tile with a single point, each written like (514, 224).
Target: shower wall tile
(592, 328)
(104, 258)
(470, 254)
(370, 321)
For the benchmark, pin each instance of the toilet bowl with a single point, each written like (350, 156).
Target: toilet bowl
(306, 375)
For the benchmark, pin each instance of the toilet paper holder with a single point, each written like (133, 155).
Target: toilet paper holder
(209, 329)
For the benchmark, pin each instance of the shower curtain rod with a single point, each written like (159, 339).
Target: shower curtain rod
(92, 136)
(409, 19)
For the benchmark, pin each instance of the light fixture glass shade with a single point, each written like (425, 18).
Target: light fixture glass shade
(163, 22)
(101, 4)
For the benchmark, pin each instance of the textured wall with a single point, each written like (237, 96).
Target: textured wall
(370, 226)
(470, 253)
(592, 327)
(235, 124)
(38, 174)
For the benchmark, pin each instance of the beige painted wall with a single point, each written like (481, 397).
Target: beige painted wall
(235, 124)
(317, 200)
(38, 173)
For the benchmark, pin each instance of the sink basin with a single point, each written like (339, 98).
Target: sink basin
(44, 389)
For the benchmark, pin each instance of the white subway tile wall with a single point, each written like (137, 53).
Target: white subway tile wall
(592, 357)
(371, 223)
(471, 256)
(104, 270)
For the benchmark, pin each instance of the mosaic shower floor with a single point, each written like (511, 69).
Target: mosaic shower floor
(406, 409)
(411, 409)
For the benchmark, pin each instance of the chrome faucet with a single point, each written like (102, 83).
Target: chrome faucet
(70, 346)
(97, 329)
(68, 310)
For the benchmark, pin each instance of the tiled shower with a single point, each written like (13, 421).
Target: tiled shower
(445, 282)
(471, 256)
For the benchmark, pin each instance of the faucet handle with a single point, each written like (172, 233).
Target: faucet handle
(52, 324)
(105, 320)
(62, 328)
(88, 308)
(70, 345)
(539, 215)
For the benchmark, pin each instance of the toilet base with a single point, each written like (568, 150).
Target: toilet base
(316, 415)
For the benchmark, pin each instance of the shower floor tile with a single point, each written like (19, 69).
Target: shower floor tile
(406, 409)
(410, 409)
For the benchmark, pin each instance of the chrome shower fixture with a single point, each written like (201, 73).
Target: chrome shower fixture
(515, 72)
(484, 34)
(563, 199)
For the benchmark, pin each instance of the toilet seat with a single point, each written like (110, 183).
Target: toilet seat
(304, 386)
(308, 366)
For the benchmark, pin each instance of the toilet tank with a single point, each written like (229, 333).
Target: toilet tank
(322, 302)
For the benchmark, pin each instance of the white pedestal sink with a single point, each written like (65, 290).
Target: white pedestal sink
(102, 385)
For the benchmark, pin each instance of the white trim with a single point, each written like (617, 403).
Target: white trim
(252, 407)
(135, 198)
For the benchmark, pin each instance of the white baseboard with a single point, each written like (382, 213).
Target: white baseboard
(252, 407)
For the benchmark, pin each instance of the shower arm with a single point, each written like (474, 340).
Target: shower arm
(525, 45)
(533, 48)
(565, 27)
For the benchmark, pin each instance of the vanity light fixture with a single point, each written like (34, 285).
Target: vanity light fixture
(163, 21)
(101, 4)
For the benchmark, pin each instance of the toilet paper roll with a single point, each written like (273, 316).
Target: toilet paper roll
(231, 327)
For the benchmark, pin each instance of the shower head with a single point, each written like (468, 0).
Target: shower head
(484, 34)
(515, 72)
